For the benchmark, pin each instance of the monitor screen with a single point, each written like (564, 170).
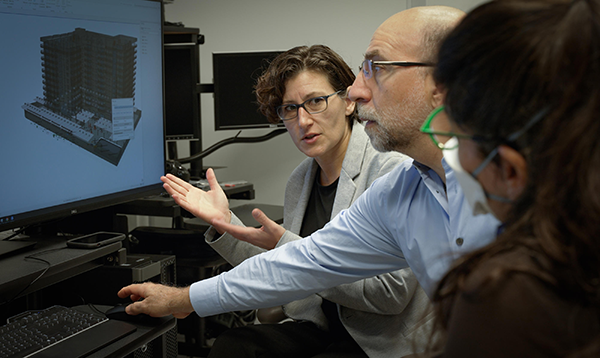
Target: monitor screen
(82, 121)
(234, 78)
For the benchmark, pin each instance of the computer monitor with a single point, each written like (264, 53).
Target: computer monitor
(234, 78)
(82, 121)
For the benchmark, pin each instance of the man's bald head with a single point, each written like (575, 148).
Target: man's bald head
(395, 100)
(423, 27)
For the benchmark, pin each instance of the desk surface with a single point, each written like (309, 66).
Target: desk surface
(23, 272)
(147, 330)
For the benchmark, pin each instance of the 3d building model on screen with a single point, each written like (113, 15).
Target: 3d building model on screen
(89, 88)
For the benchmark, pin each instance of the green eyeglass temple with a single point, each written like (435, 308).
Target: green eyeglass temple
(426, 128)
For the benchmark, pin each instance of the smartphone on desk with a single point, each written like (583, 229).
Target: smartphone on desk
(95, 240)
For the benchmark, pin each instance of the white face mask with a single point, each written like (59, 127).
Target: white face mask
(472, 190)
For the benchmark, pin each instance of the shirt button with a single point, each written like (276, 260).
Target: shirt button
(460, 241)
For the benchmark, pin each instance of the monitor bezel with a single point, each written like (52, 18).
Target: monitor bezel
(221, 99)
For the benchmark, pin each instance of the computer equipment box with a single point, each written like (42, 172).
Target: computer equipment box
(161, 269)
(122, 270)
(154, 268)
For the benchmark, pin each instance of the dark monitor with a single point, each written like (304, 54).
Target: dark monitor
(82, 122)
(234, 78)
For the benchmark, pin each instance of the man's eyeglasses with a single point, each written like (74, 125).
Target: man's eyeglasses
(313, 106)
(367, 66)
(438, 135)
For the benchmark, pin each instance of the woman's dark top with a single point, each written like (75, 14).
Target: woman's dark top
(318, 213)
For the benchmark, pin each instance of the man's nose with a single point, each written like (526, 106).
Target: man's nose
(359, 92)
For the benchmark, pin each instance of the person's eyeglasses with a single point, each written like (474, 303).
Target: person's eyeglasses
(367, 66)
(312, 106)
(438, 135)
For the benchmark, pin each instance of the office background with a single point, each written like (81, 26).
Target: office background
(261, 25)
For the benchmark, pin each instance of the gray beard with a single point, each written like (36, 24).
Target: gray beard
(396, 127)
(390, 132)
(380, 138)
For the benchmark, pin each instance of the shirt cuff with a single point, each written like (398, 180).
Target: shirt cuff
(211, 235)
(205, 298)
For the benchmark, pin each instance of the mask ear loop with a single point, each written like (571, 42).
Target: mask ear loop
(511, 138)
(541, 114)
(478, 170)
(485, 162)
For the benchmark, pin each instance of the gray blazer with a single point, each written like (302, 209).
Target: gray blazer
(387, 315)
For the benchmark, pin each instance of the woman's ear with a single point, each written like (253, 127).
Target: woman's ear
(514, 171)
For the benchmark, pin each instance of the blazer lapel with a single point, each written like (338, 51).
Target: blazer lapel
(351, 168)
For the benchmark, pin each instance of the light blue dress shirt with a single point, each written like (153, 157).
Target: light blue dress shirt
(406, 217)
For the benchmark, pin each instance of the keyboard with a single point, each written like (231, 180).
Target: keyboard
(59, 332)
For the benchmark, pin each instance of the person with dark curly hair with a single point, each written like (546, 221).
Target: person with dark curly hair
(522, 100)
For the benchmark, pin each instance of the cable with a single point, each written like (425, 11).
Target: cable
(33, 226)
(232, 140)
(33, 257)
(16, 233)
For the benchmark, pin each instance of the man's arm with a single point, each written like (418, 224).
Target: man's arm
(359, 242)
(384, 294)
(388, 293)
(352, 246)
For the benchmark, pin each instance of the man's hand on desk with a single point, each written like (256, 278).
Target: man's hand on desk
(158, 300)
(206, 205)
(267, 236)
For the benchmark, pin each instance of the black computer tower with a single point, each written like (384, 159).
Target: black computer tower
(182, 93)
(143, 268)
(165, 346)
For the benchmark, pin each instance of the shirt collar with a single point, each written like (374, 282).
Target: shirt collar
(422, 168)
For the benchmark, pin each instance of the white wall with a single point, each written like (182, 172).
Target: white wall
(259, 25)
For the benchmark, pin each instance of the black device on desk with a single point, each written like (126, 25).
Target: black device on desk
(95, 240)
